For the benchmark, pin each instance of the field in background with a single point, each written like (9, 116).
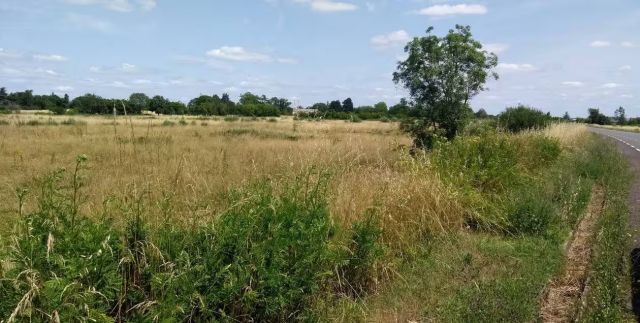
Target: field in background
(623, 128)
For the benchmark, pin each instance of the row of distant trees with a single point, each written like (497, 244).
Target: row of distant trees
(249, 104)
(619, 118)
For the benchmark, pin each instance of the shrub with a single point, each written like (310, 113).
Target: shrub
(530, 212)
(359, 273)
(521, 118)
(168, 123)
(231, 119)
(183, 122)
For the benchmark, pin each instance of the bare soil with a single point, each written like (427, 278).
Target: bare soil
(562, 295)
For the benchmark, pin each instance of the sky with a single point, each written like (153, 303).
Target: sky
(555, 55)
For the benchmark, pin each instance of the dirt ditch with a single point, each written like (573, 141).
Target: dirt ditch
(562, 295)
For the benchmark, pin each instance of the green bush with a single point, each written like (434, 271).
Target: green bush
(168, 123)
(231, 119)
(530, 212)
(521, 118)
(359, 272)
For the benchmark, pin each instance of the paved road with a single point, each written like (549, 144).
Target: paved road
(631, 139)
(629, 144)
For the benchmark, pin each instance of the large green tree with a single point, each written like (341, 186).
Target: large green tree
(442, 74)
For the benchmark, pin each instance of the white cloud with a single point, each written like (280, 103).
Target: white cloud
(287, 60)
(142, 81)
(128, 68)
(600, 43)
(328, 5)
(235, 53)
(49, 58)
(451, 10)
(147, 4)
(611, 85)
(496, 48)
(626, 96)
(625, 68)
(573, 83)
(95, 69)
(64, 88)
(517, 67)
(8, 54)
(627, 44)
(116, 5)
(89, 22)
(391, 39)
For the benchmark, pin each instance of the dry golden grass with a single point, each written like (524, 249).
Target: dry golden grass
(194, 164)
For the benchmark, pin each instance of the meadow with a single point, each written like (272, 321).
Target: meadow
(210, 218)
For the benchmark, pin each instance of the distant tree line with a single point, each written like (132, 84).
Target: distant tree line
(248, 105)
(345, 110)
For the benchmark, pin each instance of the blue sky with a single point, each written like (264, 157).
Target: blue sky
(557, 55)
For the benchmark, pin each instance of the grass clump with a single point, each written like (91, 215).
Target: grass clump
(231, 119)
(168, 123)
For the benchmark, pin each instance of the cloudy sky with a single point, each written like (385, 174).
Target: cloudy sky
(557, 55)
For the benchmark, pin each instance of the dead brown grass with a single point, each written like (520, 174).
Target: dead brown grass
(194, 165)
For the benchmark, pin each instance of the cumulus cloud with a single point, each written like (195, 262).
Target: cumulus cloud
(611, 85)
(391, 39)
(600, 43)
(328, 5)
(63, 88)
(496, 48)
(573, 83)
(49, 58)
(517, 67)
(626, 96)
(237, 53)
(452, 10)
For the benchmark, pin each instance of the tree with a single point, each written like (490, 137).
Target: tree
(138, 102)
(481, 114)
(620, 117)
(442, 74)
(159, 104)
(347, 105)
(335, 106)
(595, 117)
(566, 117)
(3, 94)
(400, 109)
(380, 107)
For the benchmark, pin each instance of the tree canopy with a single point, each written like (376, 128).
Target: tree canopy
(442, 74)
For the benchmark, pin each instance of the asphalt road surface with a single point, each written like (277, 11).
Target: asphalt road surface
(629, 144)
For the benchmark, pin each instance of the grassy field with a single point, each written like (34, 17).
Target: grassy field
(622, 128)
(279, 219)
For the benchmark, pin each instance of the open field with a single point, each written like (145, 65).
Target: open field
(621, 128)
(469, 231)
